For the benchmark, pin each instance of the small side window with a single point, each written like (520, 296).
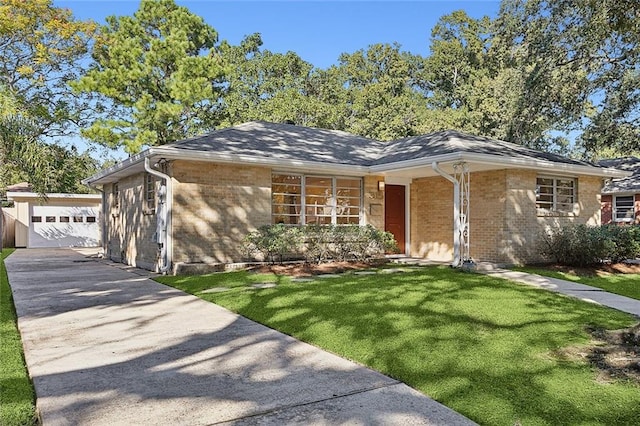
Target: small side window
(36, 219)
(91, 219)
(50, 219)
(64, 219)
(78, 219)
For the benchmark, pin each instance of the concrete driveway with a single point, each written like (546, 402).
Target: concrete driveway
(106, 346)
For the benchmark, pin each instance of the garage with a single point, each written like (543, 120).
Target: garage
(58, 220)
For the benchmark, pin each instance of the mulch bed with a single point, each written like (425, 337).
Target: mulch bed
(310, 269)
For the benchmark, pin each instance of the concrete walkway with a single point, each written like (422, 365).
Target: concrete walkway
(569, 288)
(106, 346)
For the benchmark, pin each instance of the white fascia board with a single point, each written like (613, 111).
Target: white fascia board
(17, 195)
(502, 162)
(282, 164)
(416, 163)
(124, 164)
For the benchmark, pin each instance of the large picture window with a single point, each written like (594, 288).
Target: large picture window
(555, 193)
(623, 208)
(323, 200)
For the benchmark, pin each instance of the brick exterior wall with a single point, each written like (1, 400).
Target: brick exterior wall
(215, 206)
(130, 226)
(505, 225)
(606, 208)
(373, 202)
(431, 206)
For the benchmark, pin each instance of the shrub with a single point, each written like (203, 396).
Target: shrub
(319, 243)
(273, 241)
(582, 245)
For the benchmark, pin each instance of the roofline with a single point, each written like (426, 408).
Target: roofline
(524, 163)
(179, 154)
(12, 195)
(355, 170)
(124, 164)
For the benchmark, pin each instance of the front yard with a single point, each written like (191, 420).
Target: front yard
(608, 279)
(492, 350)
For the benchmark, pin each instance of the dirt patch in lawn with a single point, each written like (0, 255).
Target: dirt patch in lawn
(614, 353)
(597, 270)
(310, 269)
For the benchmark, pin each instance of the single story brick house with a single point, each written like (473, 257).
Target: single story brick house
(445, 195)
(621, 197)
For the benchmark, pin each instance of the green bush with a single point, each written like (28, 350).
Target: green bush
(582, 245)
(319, 243)
(273, 242)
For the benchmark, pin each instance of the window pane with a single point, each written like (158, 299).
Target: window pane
(624, 208)
(287, 179)
(36, 219)
(77, 219)
(91, 219)
(50, 219)
(286, 199)
(64, 219)
(348, 220)
(348, 183)
(544, 181)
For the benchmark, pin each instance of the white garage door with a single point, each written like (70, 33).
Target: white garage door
(64, 226)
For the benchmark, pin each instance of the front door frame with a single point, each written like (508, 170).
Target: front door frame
(407, 209)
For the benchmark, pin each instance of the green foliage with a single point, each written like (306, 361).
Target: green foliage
(579, 60)
(156, 74)
(17, 397)
(42, 48)
(47, 167)
(273, 242)
(318, 243)
(581, 245)
(482, 346)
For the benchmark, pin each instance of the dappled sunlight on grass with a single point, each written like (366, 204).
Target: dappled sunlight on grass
(623, 284)
(479, 345)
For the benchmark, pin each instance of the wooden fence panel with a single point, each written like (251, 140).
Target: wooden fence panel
(8, 229)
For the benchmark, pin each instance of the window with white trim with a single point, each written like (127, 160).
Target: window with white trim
(323, 200)
(115, 195)
(555, 193)
(623, 208)
(150, 190)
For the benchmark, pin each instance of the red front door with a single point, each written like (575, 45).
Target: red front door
(394, 213)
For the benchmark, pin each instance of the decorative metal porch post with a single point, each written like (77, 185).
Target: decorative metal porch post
(462, 176)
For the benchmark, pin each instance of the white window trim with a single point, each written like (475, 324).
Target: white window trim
(554, 205)
(614, 209)
(334, 189)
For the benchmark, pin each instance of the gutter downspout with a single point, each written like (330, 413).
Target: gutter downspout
(166, 252)
(457, 261)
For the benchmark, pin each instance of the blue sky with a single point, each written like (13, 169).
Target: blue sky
(318, 31)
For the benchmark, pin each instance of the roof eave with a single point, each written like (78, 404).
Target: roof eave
(502, 162)
(215, 157)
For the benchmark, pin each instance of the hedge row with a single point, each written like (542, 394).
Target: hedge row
(318, 243)
(582, 245)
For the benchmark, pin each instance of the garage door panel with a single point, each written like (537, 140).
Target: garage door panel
(64, 226)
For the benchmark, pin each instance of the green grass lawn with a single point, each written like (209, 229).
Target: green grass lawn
(17, 398)
(480, 345)
(623, 284)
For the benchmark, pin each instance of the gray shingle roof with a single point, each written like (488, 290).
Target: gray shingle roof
(627, 184)
(450, 141)
(286, 142)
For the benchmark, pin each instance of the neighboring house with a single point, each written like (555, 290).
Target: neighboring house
(621, 197)
(445, 196)
(57, 220)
